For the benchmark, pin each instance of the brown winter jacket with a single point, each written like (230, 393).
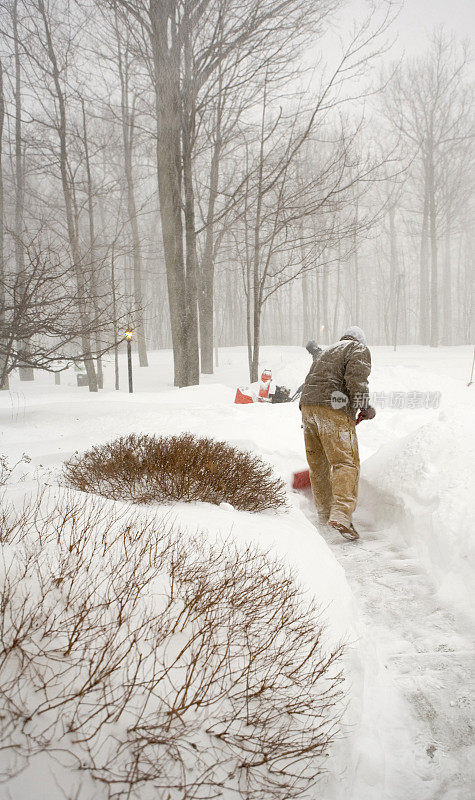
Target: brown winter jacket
(343, 367)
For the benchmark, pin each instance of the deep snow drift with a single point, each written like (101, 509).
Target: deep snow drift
(401, 597)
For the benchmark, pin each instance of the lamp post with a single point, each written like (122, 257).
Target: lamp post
(129, 336)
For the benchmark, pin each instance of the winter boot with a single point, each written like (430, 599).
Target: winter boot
(348, 533)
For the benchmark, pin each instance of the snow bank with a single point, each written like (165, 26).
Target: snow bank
(286, 535)
(417, 486)
(424, 486)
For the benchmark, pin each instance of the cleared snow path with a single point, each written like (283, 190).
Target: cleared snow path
(427, 655)
(411, 574)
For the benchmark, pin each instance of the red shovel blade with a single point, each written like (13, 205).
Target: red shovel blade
(301, 479)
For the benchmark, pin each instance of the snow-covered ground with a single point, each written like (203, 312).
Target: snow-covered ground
(401, 596)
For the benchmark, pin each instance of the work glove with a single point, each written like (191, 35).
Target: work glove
(313, 348)
(367, 413)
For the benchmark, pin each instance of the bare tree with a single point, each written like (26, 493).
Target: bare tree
(455, 186)
(56, 73)
(3, 370)
(187, 44)
(276, 200)
(40, 306)
(428, 104)
(261, 180)
(92, 260)
(127, 110)
(26, 373)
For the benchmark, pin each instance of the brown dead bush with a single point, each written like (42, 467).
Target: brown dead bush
(147, 469)
(156, 664)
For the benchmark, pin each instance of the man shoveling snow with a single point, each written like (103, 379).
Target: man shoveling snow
(335, 389)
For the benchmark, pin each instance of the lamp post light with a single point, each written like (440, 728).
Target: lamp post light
(129, 336)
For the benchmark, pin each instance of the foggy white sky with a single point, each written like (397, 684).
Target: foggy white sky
(419, 18)
(416, 21)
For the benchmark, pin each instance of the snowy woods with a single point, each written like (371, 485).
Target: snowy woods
(227, 172)
(214, 581)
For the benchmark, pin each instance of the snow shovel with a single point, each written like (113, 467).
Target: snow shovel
(301, 480)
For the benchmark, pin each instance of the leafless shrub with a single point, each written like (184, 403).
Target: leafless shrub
(146, 469)
(6, 469)
(157, 664)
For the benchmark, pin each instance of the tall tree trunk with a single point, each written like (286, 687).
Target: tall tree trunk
(256, 342)
(3, 338)
(469, 293)
(393, 272)
(356, 276)
(396, 311)
(168, 117)
(225, 316)
(325, 322)
(216, 348)
(188, 134)
(247, 285)
(290, 316)
(68, 203)
(192, 343)
(306, 332)
(459, 332)
(256, 283)
(256, 308)
(318, 308)
(405, 334)
(424, 268)
(191, 274)
(434, 309)
(305, 309)
(337, 298)
(447, 286)
(249, 321)
(114, 321)
(92, 250)
(206, 294)
(127, 141)
(25, 372)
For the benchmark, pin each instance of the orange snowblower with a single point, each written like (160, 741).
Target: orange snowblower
(301, 480)
(243, 397)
